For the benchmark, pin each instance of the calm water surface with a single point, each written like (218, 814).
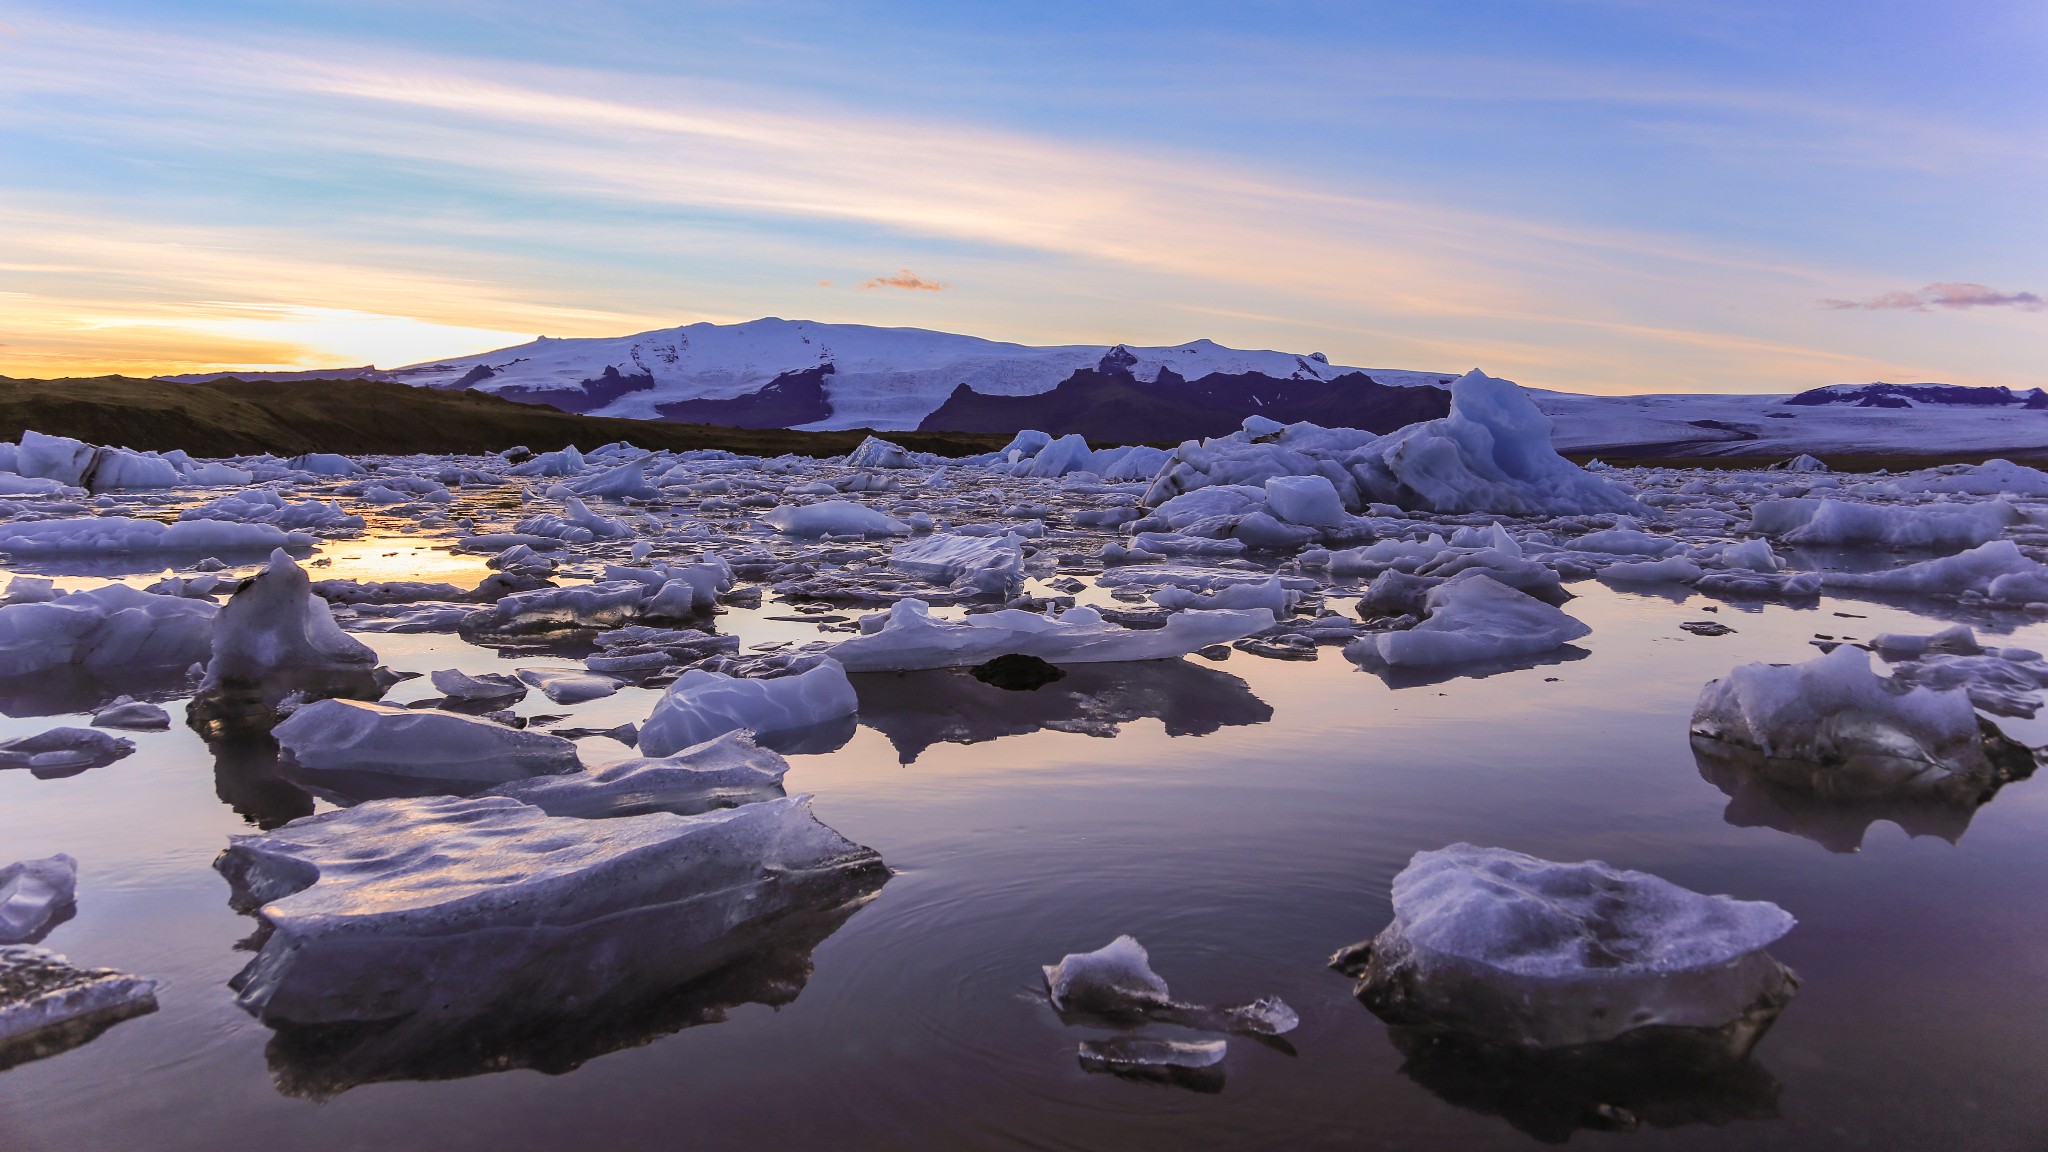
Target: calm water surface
(1244, 822)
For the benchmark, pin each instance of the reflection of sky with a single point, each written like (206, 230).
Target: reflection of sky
(1600, 194)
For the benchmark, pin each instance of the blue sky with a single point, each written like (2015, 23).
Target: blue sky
(1599, 195)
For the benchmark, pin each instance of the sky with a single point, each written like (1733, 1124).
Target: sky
(1594, 195)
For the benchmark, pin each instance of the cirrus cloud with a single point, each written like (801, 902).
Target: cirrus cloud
(1945, 295)
(904, 279)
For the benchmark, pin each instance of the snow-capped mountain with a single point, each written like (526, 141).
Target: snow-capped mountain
(797, 373)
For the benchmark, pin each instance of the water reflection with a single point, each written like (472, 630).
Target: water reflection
(247, 778)
(916, 710)
(1395, 677)
(1942, 808)
(1662, 1077)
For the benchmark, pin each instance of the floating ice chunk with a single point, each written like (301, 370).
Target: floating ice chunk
(1307, 500)
(1799, 463)
(1841, 524)
(266, 506)
(31, 590)
(910, 637)
(47, 1005)
(601, 605)
(33, 893)
(1833, 727)
(133, 715)
(443, 751)
(1273, 595)
(1473, 617)
(2005, 681)
(1959, 640)
(1115, 979)
(832, 518)
(108, 632)
(1515, 950)
(450, 906)
(569, 687)
(701, 705)
(496, 687)
(274, 637)
(121, 535)
(325, 464)
(1750, 555)
(567, 462)
(12, 485)
(63, 751)
(58, 458)
(1669, 570)
(875, 452)
(723, 772)
(1997, 571)
(625, 482)
(1625, 542)
(987, 564)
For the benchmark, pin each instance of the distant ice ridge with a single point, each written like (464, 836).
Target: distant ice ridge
(1842, 524)
(909, 637)
(121, 535)
(1513, 950)
(63, 463)
(1491, 454)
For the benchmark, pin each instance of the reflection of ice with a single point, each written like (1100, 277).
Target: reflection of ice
(245, 777)
(916, 710)
(48, 1005)
(1838, 823)
(446, 937)
(1662, 1077)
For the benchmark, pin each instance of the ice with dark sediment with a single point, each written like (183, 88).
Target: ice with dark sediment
(723, 772)
(33, 894)
(701, 705)
(454, 936)
(49, 1005)
(358, 750)
(909, 637)
(273, 639)
(1511, 950)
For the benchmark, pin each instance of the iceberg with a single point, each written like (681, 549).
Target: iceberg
(564, 687)
(111, 632)
(359, 750)
(34, 895)
(1503, 948)
(1833, 727)
(1836, 523)
(701, 705)
(1472, 618)
(723, 772)
(132, 715)
(600, 605)
(1116, 981)
(987, 564)
(122, 535)
(490, 687)
(875, 452)
(832, 518)
(1997, 571)
(274, 638)
(62, 752)
(909, 637)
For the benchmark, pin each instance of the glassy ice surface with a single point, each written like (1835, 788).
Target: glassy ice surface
(1241, 815)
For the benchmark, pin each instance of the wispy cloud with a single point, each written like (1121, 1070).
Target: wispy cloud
(1944, 295)
(904, 279)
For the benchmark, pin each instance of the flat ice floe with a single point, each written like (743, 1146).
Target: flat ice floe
(1512, 950)
(358, 748)
(48, 1005)
(909, 637)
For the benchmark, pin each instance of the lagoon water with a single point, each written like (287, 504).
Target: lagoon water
(1243, 821)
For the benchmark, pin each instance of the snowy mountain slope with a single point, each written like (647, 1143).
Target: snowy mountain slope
(887, 378)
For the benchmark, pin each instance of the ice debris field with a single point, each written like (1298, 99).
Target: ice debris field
(504, 744)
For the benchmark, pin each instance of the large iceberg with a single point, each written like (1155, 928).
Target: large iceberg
(1512, 950)
(910, 637)
(701, 705)
(110, 632)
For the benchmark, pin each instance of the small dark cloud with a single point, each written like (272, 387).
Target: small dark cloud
(905, 279)
(1945, 295)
